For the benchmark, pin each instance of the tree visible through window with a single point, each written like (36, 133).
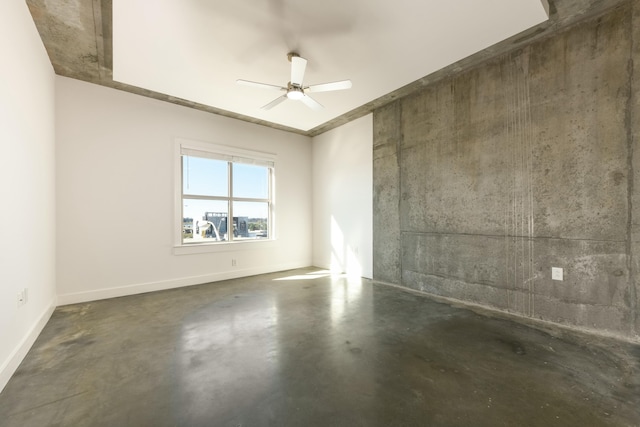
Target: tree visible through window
(225, 198)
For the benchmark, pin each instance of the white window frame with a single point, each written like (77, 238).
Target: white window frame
(222, 152)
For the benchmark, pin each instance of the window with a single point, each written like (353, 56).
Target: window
(225, 194)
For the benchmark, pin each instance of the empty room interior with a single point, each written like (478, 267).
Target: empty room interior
(285, 213)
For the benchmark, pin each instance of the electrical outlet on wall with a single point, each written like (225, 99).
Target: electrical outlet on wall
(23, 297)
(233, 263)
(557, 273)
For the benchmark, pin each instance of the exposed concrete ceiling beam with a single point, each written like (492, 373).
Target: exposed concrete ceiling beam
(563, 14)
(78, 37)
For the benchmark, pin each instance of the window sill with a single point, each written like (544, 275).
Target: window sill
(201, 248)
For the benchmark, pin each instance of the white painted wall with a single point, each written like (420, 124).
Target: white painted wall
(343, 198)
(115, 194)
(27, 175)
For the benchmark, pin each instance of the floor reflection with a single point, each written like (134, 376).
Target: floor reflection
(345, 293)
(249, 354)
(326, 342)
(224, 345)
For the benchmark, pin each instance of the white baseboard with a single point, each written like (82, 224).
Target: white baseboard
(140, 288)
(10, 366)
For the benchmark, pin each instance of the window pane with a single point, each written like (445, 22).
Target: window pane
(250, 220)
(204, 220)
(250, 181)
(204, 177)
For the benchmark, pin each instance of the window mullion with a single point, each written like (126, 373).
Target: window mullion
(230, 203)
(249, 199)
(181, 200)
(270, 226)
(198, 197)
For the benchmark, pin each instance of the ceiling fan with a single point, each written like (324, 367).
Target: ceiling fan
(295, 89)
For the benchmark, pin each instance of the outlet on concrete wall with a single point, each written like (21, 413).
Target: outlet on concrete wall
(557, 273)
(233, 263)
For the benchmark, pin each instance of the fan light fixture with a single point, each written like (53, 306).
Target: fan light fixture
(295, 93)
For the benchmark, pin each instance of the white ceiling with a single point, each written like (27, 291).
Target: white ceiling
(197, 49)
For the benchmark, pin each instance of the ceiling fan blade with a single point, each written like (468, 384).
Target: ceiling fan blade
(275, 102)
(298, 65)
(325, 87)
(260, 85)
(311, 103)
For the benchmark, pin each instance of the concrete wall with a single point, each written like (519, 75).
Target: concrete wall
(486, 180)
(632, 119)
(342, 189)
(115, 193)
(27, 175)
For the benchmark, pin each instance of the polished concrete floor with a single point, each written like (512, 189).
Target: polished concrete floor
(302, 348)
